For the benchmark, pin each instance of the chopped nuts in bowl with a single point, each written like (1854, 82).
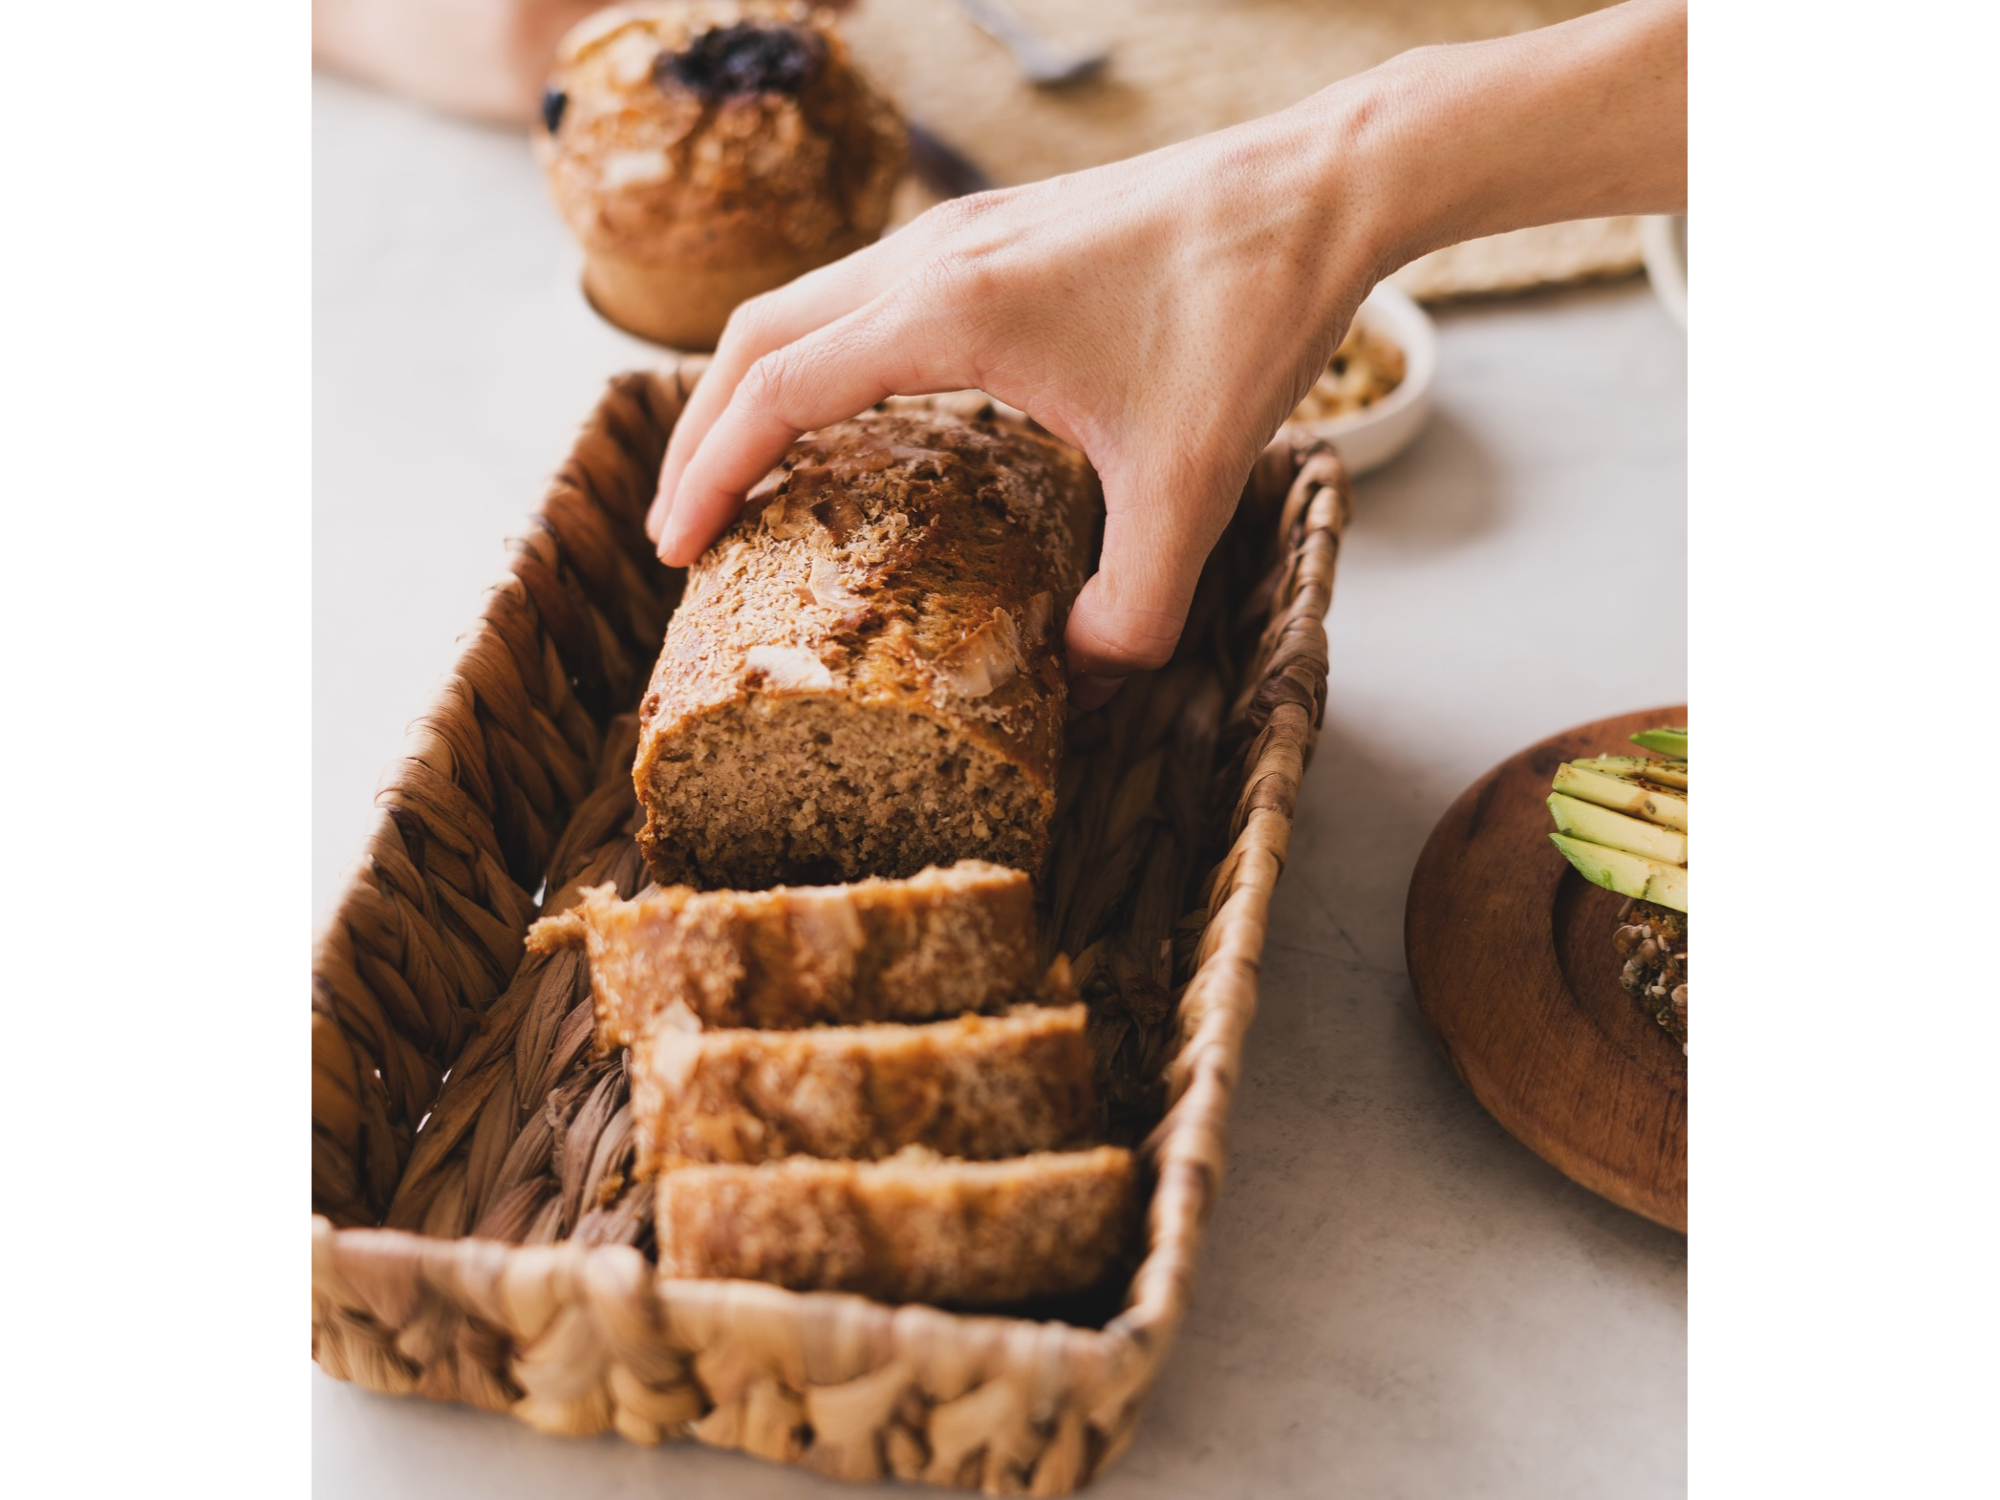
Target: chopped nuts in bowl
(1375, 393)
(1364, 369)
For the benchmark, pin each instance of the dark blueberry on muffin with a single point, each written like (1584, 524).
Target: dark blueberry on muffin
(744, 59)
(554, 102)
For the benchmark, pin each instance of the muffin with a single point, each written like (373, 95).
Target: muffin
(709, 150)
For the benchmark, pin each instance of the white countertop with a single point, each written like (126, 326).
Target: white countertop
(1395, 1298)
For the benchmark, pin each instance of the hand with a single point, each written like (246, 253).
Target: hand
(1165, 314)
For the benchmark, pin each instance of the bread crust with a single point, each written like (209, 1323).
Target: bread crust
(978, 1087)
(915, 1228)
(940, 943)
(906, 575)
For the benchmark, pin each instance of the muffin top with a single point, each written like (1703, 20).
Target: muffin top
(716, 130)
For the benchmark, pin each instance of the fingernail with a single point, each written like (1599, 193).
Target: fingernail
(1093, 689)
(672, 544)
(656, 518)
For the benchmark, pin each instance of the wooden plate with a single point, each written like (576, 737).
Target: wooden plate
(1510, 955)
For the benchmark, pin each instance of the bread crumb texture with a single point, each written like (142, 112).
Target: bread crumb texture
(865, 673)
(944, 942)
(917, 1227)
(978, 1086)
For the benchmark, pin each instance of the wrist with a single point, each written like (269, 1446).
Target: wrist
(1326, 178)
(1448, 143)
(1404, 185)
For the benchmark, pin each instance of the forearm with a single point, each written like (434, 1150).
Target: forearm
(1165, 313)
(483, 58)
(1580, 120)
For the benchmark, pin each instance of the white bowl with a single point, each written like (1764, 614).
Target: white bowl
(1369, 438)
(1663, 238)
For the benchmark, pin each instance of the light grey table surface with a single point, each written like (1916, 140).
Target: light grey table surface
(1395, 1298)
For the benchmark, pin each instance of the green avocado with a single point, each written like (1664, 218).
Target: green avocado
(1621, 795)
(1672, 773)
(1672, 742)
(1614, 830)
(1627, 874)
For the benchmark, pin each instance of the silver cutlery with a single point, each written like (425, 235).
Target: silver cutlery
(1046, 65)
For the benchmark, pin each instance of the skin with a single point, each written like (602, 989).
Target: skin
(484, 59)
(1166, 313)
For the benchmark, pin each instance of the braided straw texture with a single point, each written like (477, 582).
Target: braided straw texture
(477, 1234)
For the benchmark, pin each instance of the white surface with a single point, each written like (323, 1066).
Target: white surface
(1371, 437)
(1663, 239)
(1395, 1298)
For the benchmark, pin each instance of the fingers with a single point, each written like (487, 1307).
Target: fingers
(755, 329)
(824, 377)
(1158, 531)
(1088, 690)
(916, 254)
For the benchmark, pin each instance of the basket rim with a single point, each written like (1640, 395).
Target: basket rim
(1184, 1150)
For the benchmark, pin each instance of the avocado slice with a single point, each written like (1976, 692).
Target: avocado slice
(1627, 874)
(1614, 830)
(1672, 742)
(1669, 773)
(1624, 796)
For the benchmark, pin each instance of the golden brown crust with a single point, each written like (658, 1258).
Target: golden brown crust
(976, 1087)
(915, 1228)
(688, 307)
(938, 944)
(912, 569)
(650, 169)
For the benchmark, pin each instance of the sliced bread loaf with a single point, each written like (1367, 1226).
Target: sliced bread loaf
(941, 943)
(865, 673)
(914, 1228)
(979, 1086)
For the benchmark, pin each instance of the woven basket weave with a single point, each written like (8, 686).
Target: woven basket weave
(477, 1235)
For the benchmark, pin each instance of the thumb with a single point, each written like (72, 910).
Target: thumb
(1128, 617)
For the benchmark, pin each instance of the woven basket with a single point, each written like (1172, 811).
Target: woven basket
(477, 1236)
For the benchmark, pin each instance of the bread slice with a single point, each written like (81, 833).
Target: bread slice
(941, 943)
(914, 1228)
(979, 1086)
(865, 673)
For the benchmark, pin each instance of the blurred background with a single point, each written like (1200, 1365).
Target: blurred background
(1182, 68)
(1479, 1324)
